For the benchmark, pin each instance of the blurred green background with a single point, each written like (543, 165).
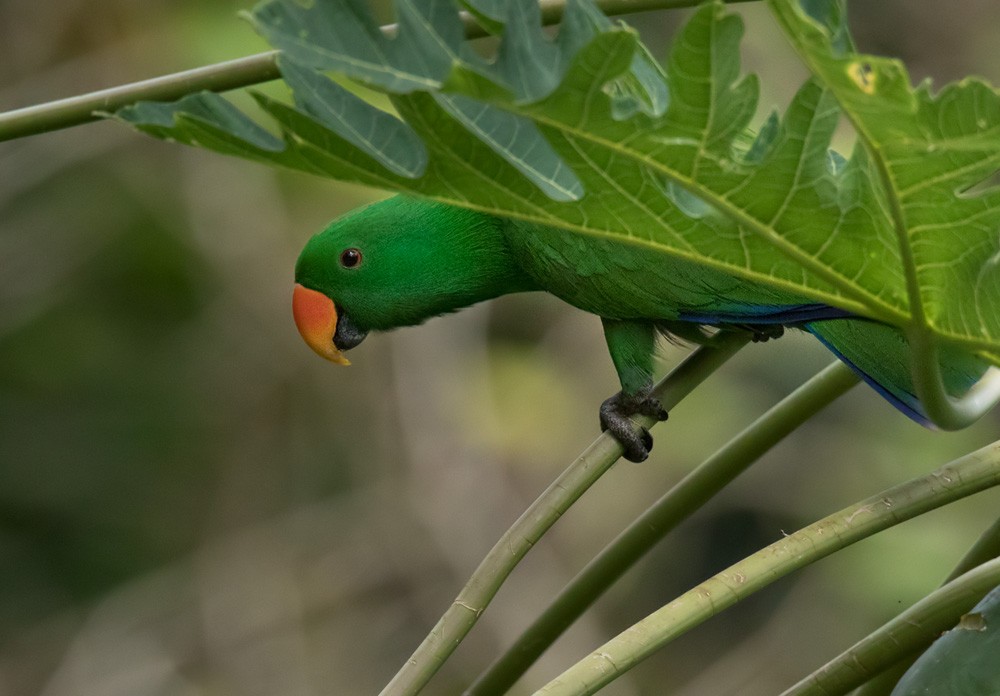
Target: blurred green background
(192, 503)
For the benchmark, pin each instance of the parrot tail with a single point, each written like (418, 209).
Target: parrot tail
(880, 355)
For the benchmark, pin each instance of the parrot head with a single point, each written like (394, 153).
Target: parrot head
(395, 263)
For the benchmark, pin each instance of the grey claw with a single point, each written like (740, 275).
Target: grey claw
(615, 418)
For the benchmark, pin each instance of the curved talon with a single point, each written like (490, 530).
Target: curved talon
(616, 415)
(653, 408)
(761, 333)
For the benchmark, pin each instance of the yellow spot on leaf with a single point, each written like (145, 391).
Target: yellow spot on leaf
(863, 75)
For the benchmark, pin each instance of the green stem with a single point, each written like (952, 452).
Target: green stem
(963, 477)
(986, 548)
(914, 628)
(233, 74)
(697, 488)
(463, 613)
(75, 111)
(946, 411)
(885, 681)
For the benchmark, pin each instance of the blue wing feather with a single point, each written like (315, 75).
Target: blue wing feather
(879, 354)
(787, 315)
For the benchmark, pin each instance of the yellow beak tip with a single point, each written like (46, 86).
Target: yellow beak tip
(315, 317)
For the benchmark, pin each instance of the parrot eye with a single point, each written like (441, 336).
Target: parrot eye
(349, 258)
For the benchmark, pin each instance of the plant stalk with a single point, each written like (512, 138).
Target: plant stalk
(693, 491)
(907, 633)
(463, 613)
(986, 548)
(963, 477)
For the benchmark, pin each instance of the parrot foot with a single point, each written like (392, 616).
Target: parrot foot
(762, 333)
(616, 414)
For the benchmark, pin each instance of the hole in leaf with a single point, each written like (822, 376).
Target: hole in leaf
(688, 203)
(983, 187)
(845, 137)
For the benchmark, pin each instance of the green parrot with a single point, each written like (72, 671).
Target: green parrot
(403, 260)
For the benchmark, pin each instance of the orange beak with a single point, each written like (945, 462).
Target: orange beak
(316, 318)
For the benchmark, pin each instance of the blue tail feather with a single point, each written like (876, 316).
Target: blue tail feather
(881, 356)
(903, 399)
(878, 353)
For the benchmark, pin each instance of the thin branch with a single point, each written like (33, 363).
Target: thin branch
(75, 111)
(986, 548)
(234, 74)
(697, 488)
(463, 613)
(885, 681)
(946, 411)
(916, 627)
(963, 477)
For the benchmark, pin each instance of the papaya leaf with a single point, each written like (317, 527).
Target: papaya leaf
(933, 150)
(383, 137)
(518, 141)
(343, 36)
(223, 121)
(586, 132)
(964, 660)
